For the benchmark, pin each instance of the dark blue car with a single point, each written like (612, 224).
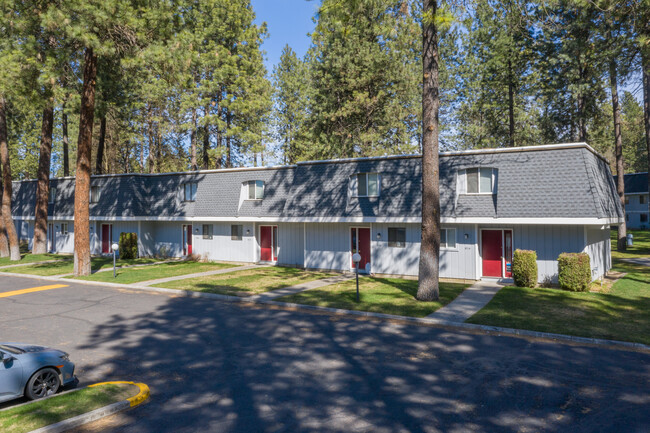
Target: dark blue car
(32, 371)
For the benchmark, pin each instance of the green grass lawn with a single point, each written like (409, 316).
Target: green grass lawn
(248, 282)
(379, 295)
(621, 312)
(67, 266)
(31, 258)
(52, 410)
(153, 272)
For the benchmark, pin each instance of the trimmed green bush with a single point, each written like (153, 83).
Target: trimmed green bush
(574, 271)
(524, 268)
(128, 245)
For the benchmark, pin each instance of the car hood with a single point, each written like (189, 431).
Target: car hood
(30, 348)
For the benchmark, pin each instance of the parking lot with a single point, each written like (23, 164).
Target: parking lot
(215, 366)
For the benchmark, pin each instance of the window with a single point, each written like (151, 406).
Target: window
(479, 180)
(397, 237)
(236, 231)
(367, 185)
(255, 189)
(448, 238)
(50, 198)
(644, 217)
(207, 231)
(189, 191)
(95, 193)
(641, 199)
(64, 228)
(627, 217)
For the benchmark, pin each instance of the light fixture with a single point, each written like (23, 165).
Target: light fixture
(466, 236)
(248, 231)
(378, 235)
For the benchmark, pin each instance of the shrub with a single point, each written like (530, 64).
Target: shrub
(524, 268)
(128, 245)
(574, 271)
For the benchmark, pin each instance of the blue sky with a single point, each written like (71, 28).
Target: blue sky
(289, 22)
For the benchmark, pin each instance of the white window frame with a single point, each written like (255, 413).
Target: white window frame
(192, 187)
(367, 176)
(446, 246)
(64, 229)
(248, 191)
(493, 181)
(210, 233)
(94, 198)
(240, 232)
(395, 244)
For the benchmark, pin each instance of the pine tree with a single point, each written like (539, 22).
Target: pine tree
(290, 81)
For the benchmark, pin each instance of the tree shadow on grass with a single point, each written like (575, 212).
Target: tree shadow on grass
(224, 367)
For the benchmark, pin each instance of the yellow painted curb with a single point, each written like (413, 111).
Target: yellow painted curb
(137, 399)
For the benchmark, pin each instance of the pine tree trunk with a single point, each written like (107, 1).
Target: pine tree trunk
(206, 147)
(10, 228)
(99, 163)
(618, 150)
(4, 242)
(66, 146)
(228, 142)
(82, 175)
(645, 65)
(511, 106)
(39, 245)
(193, 163)
(152, 146)
(219, 161)
(428, 289)
(142, 156)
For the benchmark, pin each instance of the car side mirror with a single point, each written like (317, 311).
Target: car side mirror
(4, 357)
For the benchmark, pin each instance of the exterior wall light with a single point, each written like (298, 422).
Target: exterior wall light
(378, 235)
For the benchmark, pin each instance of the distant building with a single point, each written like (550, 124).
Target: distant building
(636, 201)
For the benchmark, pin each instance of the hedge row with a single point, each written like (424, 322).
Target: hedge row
(574, 270)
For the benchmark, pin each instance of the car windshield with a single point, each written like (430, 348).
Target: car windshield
(11, 349)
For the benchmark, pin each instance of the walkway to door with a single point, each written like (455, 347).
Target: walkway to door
(468, 303)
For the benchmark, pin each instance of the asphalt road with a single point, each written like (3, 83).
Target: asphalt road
(215, 366)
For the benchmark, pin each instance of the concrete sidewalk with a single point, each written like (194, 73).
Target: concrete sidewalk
(35, 263)
(468, 303)
(198, 274)
(300, 287)
(643, 261)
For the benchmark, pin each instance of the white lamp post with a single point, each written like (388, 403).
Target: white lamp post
(356, 258)
(115, 246)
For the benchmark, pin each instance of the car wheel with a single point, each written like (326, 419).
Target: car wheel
(43, 383)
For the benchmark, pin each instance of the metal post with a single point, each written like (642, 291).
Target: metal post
(113, 263)
(357, 272)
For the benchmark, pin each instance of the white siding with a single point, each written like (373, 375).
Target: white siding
(599, 249)
(221, 246)
(548, 242)
(63, 243)
(459, 262)
(327, 246)
(290, 244)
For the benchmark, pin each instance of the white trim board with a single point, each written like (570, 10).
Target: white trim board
(356, 220)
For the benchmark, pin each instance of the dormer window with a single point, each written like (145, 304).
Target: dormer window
(95, 194)
(480, 180)
(189, 191)
(255, 189)
(367, 185)
(52, 194)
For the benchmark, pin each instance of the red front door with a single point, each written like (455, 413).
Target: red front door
(361, 244)
(266, 243)
(492, 241)
(107, 235)
(187, 240)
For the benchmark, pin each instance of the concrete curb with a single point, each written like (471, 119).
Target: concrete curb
(439, 323)
(102, 412)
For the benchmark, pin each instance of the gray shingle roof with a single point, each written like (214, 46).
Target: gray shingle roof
(544, 182)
